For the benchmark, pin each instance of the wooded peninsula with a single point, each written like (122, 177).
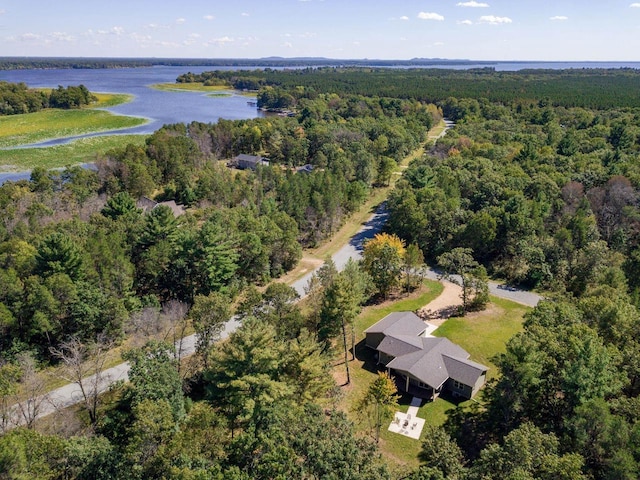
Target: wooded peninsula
(537, 184)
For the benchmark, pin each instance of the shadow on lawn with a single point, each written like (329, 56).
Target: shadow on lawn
(368, 357)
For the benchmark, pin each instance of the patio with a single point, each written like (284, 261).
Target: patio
(408, 424)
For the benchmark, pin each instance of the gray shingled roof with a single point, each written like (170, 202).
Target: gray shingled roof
(431, 360)
(399, 323)
(427, 364)
(398, 345)
(463, 370)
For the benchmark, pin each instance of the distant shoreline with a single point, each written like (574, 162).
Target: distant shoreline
(22, 63)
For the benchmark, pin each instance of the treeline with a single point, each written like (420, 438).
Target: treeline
(17, 98)
(588, 88)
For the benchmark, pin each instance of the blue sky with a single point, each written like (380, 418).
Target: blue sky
(383, 29)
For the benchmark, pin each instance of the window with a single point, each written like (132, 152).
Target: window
(458, 385)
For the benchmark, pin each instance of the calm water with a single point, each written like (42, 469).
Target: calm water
(158, 106)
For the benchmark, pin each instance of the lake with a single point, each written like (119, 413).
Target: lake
(160, 107)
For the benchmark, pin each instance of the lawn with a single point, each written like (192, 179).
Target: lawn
(80, 151)
(483, 335)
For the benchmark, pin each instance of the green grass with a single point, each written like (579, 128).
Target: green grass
(79, 151)
(17, 130)
(485, 334)
(111, 99)
(482, 334)
(217, 95)
(189, 87)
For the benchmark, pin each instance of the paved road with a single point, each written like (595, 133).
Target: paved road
(70, 394)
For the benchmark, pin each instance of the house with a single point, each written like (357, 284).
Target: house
(248, 162)
(146, 204)
(308, 168)
(423, 365)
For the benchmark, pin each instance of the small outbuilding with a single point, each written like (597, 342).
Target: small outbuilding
(248, 162)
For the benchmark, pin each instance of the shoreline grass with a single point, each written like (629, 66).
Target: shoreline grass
(189, 87)
(84, 150)
(19, 130)
(25, 129)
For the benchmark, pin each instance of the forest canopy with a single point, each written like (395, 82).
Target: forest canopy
(538, 184)
(17, 98)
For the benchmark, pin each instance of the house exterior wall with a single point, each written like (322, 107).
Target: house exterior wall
(372, 340)
(383, 358)
(479, 383)
(458, 389)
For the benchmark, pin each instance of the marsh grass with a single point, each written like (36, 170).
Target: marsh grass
(84, 150)
(189, 87)
(17, 130)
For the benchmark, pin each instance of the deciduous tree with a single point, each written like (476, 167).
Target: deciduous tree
(380, 401)
(382, 259)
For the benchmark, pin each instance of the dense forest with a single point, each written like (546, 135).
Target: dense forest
(79, 257)
(542, 192)
(17, 98)
(589, 88)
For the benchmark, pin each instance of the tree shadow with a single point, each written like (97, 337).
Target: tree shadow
(370, 228)
(368, 357)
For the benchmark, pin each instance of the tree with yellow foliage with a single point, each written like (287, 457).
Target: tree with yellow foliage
(383, 259)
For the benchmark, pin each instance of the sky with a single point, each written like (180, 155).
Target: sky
(544, 30)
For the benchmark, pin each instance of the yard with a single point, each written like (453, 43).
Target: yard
(482, 334)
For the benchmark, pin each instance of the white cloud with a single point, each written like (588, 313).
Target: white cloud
(28, 37)
(465, 22)
(244, 14)
(287, 45)
(559, 18)
(404, 17)
(141, 40)
(220, 41)
(180, 21)
(430, 16)
(166, 44)
(473, 4)
(438, 44)
(2, 12)
(634, 5)
(63, 37)
(209, 17)
(493, 20)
